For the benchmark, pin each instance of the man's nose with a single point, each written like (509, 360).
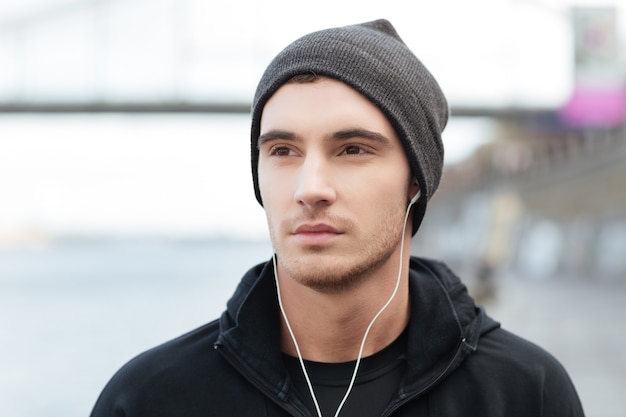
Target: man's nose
(315, 183)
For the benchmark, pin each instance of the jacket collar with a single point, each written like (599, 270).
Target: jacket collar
(444, 328)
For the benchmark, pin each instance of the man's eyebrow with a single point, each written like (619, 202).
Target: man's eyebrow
(360, 133)
(275, 135)
(339, 135)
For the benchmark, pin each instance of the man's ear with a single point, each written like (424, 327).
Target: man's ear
(415, 188)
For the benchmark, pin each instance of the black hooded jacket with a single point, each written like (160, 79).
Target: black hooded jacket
(459, 362)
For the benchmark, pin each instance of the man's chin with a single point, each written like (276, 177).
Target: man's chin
(328, 274)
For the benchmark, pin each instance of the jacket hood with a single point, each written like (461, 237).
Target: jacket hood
(445, 324)
(444, 328)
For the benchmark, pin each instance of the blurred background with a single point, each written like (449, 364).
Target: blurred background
(127, 214)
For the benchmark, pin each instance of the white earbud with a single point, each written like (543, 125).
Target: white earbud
(417, 197)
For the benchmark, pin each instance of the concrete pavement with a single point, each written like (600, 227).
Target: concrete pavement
(582, 323)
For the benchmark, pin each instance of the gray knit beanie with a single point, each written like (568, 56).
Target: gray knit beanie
(371, 58)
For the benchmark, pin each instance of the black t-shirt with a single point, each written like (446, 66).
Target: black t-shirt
(377, 381)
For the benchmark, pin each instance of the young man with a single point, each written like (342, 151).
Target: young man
(346, 152)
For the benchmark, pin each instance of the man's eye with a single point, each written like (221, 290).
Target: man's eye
(353, 150)
(280, 151)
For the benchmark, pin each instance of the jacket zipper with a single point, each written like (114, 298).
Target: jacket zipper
(411, 397)
(293, 411)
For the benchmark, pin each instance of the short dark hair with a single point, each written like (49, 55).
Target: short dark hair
(308, 77)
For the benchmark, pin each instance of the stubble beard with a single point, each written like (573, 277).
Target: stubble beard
(324, 271)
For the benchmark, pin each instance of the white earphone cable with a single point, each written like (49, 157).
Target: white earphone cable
(358, 360)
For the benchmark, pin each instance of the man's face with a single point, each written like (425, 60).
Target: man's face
(334, 180)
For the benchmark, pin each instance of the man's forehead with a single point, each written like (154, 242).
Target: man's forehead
(326, 109)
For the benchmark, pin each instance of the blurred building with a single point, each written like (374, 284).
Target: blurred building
(547, 196)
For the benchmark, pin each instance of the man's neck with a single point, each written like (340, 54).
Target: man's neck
(330, 327)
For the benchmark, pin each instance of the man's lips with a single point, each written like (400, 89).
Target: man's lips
(316, 228)
(316, 234)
